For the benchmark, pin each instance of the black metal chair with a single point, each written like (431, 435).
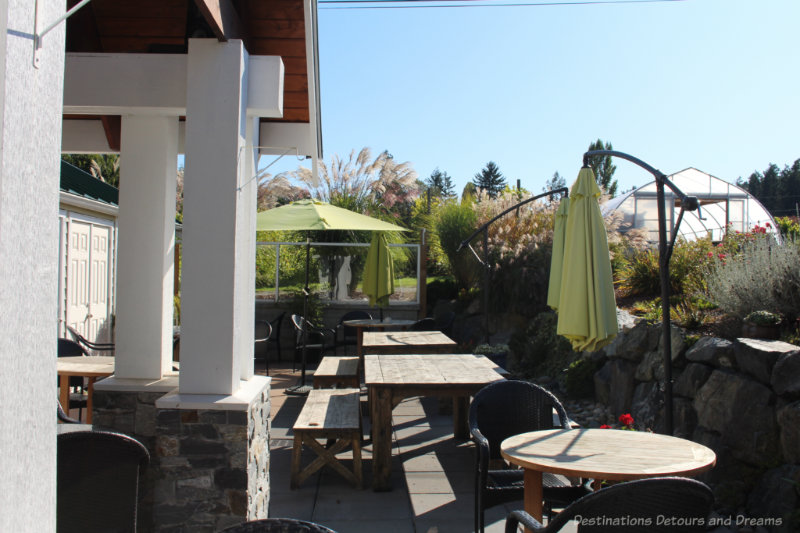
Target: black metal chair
(424, 324)
(349, 334)
(667, 504)
(278, 525)
(275, 338)
(262, 333)
(316, 338)
(95, 346)
(501, 410)
(64, 417)
(70, 348)
(98, 481)
(445, 321)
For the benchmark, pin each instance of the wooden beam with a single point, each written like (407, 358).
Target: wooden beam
(112, 126)
(223, 19)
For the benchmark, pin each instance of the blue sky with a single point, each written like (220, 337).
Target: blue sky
(711, 84)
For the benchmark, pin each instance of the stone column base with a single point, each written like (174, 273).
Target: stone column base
(209, 454)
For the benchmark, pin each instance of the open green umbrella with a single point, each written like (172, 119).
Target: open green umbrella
(587, 311)
(557, 259)
(312, 215)
(379, 272)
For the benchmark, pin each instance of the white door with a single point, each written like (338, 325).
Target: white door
(89, 254)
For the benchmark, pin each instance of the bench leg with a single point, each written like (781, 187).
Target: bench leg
(296, 451)
(326, 456)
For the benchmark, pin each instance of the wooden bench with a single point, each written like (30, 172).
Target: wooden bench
(333, 414)
(339, 372)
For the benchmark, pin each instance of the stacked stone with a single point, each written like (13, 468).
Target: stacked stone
(740, 398)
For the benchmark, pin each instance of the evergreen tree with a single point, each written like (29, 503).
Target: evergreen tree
(556, 182)
(603, 168)
(490, 180)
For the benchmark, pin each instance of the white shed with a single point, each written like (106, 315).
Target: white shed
(87, 215)
(722, 205)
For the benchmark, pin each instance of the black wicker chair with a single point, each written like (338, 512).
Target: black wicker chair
(348, 335)
(96, 346)
(98, 481)
(444, 323)
(317, 338)
(262, 332)
(668, 504)
(498, 411)
(278, 525)
(275, 338)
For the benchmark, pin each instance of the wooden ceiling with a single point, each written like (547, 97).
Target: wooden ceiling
(267, 27)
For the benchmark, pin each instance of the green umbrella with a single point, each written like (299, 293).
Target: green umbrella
(379, 272)
(557, 260)
(587, 311)
(311, 215)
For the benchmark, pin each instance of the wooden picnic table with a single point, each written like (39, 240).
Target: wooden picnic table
(91, 367)
(602, 454)
(391, 378)
(386, 342)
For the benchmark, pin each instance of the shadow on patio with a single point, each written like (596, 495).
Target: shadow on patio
(432, 474)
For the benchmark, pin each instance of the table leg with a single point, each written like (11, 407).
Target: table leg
(381, 415)
(89, 402)
(360, 352)
(533, 493)
(460, 423)
(63, 395)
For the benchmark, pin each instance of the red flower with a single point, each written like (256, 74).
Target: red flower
(605, 426)
(626, 419)
(722, 256)
(710, 254)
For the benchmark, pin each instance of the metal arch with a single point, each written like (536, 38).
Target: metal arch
(485, 261)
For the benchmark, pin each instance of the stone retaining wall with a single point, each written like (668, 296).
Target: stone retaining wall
(740, 398)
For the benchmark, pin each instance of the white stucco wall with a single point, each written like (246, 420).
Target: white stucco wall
(30, 142)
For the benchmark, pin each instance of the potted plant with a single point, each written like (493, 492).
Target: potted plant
(497, 353)
(762, 325)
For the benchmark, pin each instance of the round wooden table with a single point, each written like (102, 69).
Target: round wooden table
(603, 454)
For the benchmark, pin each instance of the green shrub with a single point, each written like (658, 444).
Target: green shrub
(538, 350)
(640, 274)
(454, 223)
(788, 227)
(580, 378)
(762, 275)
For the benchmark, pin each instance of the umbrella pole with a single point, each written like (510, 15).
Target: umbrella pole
(688, 203)
(302, 388)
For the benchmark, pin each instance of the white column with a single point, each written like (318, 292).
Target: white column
(146, 245)
(30, 143)
(217, 293)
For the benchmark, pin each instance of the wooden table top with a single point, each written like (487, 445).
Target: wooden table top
(429, 369)
(410, 339)
(378, 323)
(607, 453)
(93, 365)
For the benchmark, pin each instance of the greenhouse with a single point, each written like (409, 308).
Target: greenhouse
(722, 205)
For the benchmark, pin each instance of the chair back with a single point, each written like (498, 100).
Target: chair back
(444, 322)
(505, 408)
(276, 324)
(262, 331)
(666, 504)
(70, 348)
(278, 525)
(98, 481)
(424, 324)
(349, 331)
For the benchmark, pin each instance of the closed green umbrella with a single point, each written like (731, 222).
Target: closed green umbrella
(587, 311)
(379, 272)
(557, 259)
(311, 215)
